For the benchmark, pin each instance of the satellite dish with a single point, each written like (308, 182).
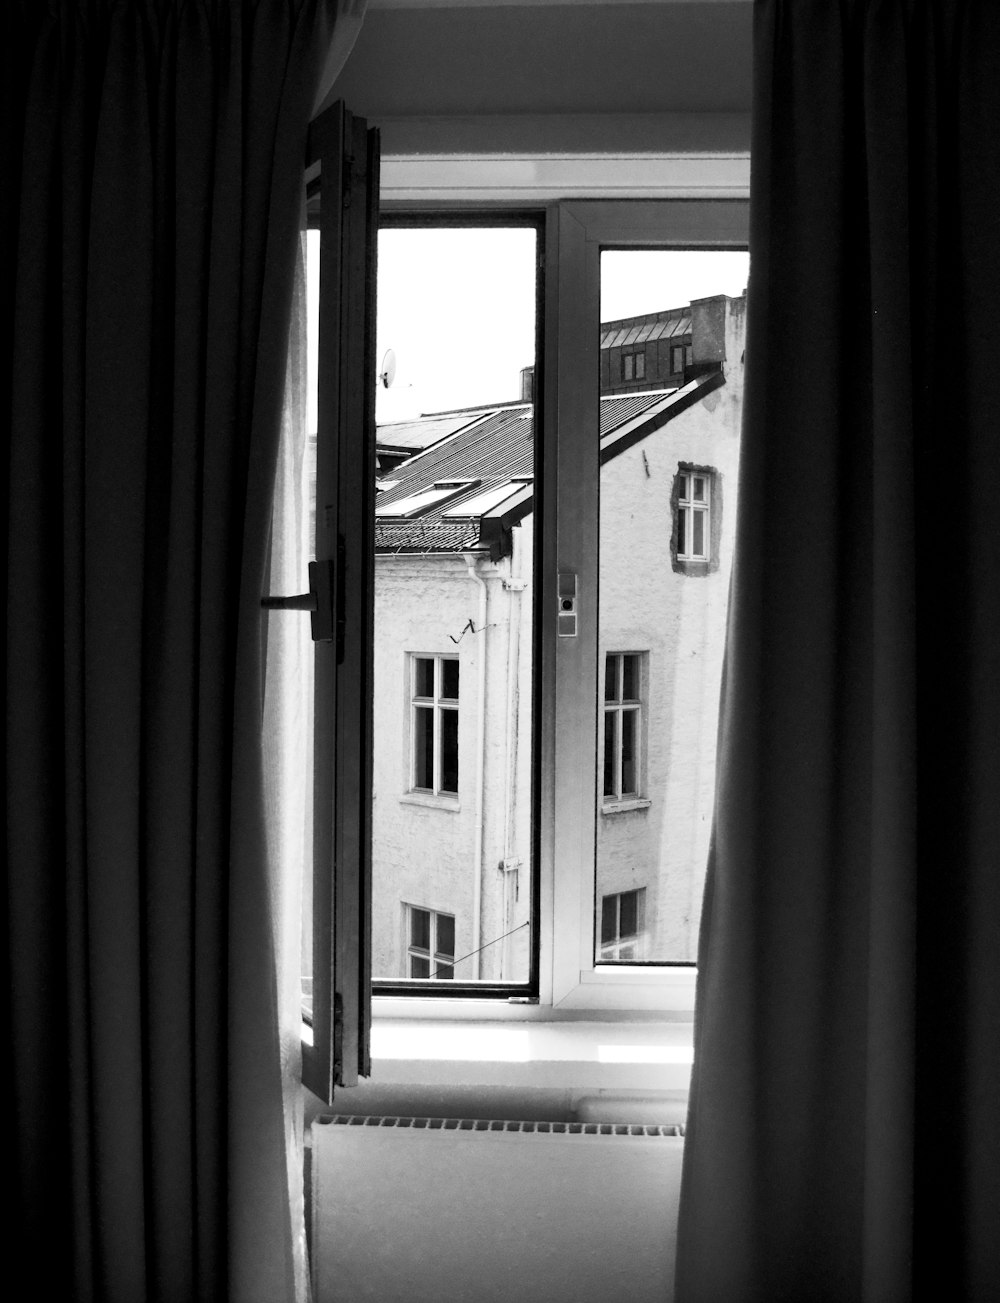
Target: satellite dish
(387, 372)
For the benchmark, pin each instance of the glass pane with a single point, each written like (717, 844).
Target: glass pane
(449, 750)
(289, 680)
(419, 967)
(610, 678)
(669, 618)
(449, 680)
(630, 719)
(628, 922)
(698, 542)
(455, 353)
(609, 919)
(423, 747)
(420, 929)
(629, 678)
(446, 936)
(423, 677)
(610, 757)
(444, 972)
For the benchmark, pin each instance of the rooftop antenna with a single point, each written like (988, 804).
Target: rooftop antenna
(387, 371)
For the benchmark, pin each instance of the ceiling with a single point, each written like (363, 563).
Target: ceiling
(462, 57)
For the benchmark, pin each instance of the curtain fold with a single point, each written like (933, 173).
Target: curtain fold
(153, 154)
(843, 1138)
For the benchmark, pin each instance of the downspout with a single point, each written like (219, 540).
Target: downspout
(477, 854)
(514, 586)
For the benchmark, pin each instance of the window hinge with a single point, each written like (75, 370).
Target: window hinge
(320, 601)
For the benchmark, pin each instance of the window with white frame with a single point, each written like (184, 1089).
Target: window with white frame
(430, 951)
(623, 691)
(434, 724)
(623, 926)
(694, 515)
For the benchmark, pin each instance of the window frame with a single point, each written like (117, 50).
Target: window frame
(571, 983)
(437, 704)
(619, 706)
(432, 953)
(579, 232)
(629, 938)
(693, 564)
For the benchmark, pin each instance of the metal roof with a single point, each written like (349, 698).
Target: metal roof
(640, 330)
(494, 450)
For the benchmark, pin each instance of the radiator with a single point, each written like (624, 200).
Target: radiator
(430, 1210)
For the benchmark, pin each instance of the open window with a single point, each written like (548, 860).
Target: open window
(319, 669)
(518, 700)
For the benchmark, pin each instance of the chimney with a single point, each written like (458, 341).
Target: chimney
(708, 330)
(527, 384)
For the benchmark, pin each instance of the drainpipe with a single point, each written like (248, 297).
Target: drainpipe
(513, 585)
(477, 856)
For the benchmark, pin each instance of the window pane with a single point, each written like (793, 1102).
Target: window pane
(446, 935)
(640, 366)
(423, 676)
(630, 689)
(444, 972)
(661, 757)
(449, 750)
(419, 967)
(698, 526)
(610, 757)
(449, 679)
(610, 678)
(423, 747)
(420, 928)
(628, 922)
(609, 919)
(455, 351)
(630, 719)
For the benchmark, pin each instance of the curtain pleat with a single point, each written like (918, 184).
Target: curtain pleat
(152, 156)
(843, 1135)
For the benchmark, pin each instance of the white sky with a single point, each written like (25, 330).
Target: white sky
(457, 308)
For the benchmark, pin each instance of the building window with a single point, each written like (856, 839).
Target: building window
(622, 926)
(677, 359)
(633, 366)
(622, 725)
(434, 724)
(693, 516)
(697, 510)
(430, 948)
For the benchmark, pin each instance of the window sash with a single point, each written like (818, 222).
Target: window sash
(433, 729)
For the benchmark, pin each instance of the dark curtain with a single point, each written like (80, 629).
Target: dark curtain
(152, 157)
(844, 1130)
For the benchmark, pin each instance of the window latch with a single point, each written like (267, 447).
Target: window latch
(320, 600)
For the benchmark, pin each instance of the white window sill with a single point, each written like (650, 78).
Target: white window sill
(568, 1054)
(631, 803)
(432, 801)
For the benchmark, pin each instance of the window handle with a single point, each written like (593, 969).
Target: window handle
(320, 600)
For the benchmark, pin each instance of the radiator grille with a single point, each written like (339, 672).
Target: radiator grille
(508, 1128)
